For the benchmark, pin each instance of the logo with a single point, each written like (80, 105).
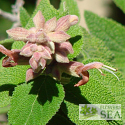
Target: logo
(99, 111)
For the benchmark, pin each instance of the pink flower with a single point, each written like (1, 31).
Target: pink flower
(38, 53)
(13, 57)
(51, 31)
(46, 50)
(78, 69)
(45, 41)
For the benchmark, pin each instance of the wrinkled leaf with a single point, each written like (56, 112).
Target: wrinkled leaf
(120, 4)
(94, 48)
(24, 17)
(36, 102)
(113, 35)
(76, 40)
(9, 78)
(99, 90)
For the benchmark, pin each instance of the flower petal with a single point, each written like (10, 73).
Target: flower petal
(37, 56)
(26, 45)
(73, 20)
(31, 75)
(5, 51)
(50, 25)
(64, 23)
(71, 68)
(42, 63)
(65, 46)
(51, 45)
(35, 65)
(45, 54)
(61, 56)
(39, 20)
(59, 36)
(84, 80)
(36, 37)
(40, 48)
(33, 47)
(18, 33)
(26, 52)
(92, 65)
(8, 62)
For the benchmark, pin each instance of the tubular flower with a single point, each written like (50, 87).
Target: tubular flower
(78, 69)
(46, 50)
(13, 57)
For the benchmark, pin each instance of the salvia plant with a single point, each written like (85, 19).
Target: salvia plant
(54, 65)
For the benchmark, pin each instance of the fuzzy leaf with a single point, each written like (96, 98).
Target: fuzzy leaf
(120, 4)
(36, 102)
(94, 48)
(9, 78)
(99, 90)
(69, 6)
(76, 40)
(24, 16)
(112, 33)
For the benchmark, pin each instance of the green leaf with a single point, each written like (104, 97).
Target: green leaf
(94, 48)
(7, 42)
(76, 40)
(36, 102)
(112, 33)
(120, 4)
(4, 98)
(99, 90)
(70, 6)
(24, 16)
(9, 78)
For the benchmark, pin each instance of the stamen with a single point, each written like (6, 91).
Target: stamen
(101, 72)
(110, 67)
(110, 72)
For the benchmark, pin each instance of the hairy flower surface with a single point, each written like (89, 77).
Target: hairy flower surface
(46, 50)
(46, 41)
(78, 69)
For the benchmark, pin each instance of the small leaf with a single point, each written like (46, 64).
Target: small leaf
(120, 4)
(36, 102)
(24, 16)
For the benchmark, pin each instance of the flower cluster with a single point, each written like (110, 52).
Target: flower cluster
(46, 48)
